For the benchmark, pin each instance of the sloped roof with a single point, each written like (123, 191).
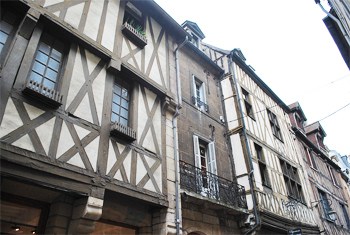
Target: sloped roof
(296, 107)
(194, 27)
(316, 126)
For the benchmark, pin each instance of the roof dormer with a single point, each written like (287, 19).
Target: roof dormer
(196, 34)
(297, 116)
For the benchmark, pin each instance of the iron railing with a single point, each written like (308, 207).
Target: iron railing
(197, 101)
(209, 185)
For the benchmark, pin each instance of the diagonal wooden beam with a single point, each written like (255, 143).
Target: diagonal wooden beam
(150, 173)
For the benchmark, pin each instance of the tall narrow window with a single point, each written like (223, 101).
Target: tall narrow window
(276, 130)
(247, 103)
(325, 204)
(47, 63)
(262, 165)
(346, 215)
(292, 181)
(311, 158)
(120, 102)
(332, 175)
(205, 161)
(198, 97)
(8, 22)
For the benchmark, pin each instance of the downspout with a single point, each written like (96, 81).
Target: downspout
(251, 168)
(336, 20)
(175, 137)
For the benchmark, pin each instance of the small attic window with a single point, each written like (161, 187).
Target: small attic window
(195, 40)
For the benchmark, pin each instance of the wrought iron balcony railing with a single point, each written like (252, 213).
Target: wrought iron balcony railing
(209, 185)
(199, 103)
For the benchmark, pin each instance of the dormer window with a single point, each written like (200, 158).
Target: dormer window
(134, 25)
(195, 40)
(299, 122)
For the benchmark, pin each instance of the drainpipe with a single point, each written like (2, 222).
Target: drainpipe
(336, 20)
(251, 168)
(175, 137)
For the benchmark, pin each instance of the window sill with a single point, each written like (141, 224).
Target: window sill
(48, 97)
(135, 36)
(119, 130)
(278, 138)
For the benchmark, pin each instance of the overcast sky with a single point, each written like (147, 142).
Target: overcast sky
(290, 48)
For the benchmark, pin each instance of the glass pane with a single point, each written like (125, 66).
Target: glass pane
(49, 84)
(117, 89)
(114, 117)
(36, 77)
(115, 108)
(51, 74)
(56, 55)
(125, 104)
(38, 67)
(42, 57)
(44, 48)
(3, 37)
(124, 113)
(123, 121)
(116, 99)
(1, 46)
(125, 93)
(53, 64)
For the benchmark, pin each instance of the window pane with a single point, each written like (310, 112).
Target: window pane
(117, 89)
(123, 121)
(42, 57)
(56, 55)
(124, 113)
(116, 99)
(49, 84)
(125, 93)
(36, 77)
(51, 74)
(53, 64)
(125, 104)
(38, 67)
(5, 27)
(115, 117)
(44, 48)
(115, 108)
(3, 37)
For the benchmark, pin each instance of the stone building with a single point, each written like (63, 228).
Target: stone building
(328, 188)
(211, 200)
(88, 99)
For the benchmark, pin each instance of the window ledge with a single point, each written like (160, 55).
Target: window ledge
(134, 35)
(119, 130)
(48, 97)
(198, 103)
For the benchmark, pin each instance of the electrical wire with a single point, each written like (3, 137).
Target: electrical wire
(334, 112)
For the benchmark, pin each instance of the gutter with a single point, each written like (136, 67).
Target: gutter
(234, 85)
(175, 137)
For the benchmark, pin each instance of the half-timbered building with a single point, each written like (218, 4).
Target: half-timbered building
(328, 190)
(264, 150)
(211, 200)
(88, 99)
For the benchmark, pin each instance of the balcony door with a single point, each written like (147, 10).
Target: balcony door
(206, 171)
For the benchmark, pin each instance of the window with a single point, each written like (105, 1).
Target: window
(310, 155)
(299, 121)
(205, 161)
(345, 214)
(199, 98)
(274, 125)
(46, 70)
(292, 181)
(325, 205)
(120, 110)
(332, 175)
(120, 102)
(262, 165)
(194, 40)
(8, 21)
(247, 103)
(134, 25)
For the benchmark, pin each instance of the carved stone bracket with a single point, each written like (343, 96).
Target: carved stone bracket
(169, 105)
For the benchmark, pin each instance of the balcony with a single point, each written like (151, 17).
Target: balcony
(135, 35)
(119, 130)
(211, 186)
(48, 97)
(199, 103)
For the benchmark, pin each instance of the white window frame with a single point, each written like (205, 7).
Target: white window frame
(202, 105)
(211, 166)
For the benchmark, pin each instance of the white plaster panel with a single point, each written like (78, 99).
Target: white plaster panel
(32, 111)
(92, 152)
(52, 2)
(78, 79)
(109, 30)
(151, 97)
(127, 164)
(84, 110)
(65, 142)
(231, 114)
(98, 88)
(156, 28)
(93, 19)
(149, 186)
(142, 116)
(76, 161)
(111, 157)
(125, 49)
(157, 123)
(140, 169)
(154, 73)
(25, 143)
(118, 176)
(73, 15)
(82, 132)
(138, 58)
(91, 60)
(158, 177)
(148, 142)
(238, 155)
(45, 132)
(150, 161)
(11, 120)
(163, 60)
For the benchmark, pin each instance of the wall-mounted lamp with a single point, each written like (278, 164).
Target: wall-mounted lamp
(329, 212)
